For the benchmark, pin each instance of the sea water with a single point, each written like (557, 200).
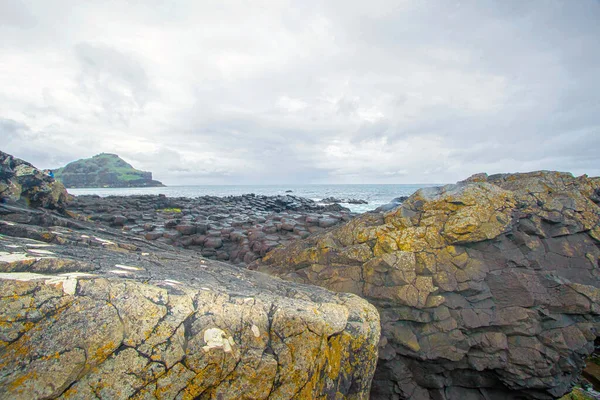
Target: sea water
(375, 195)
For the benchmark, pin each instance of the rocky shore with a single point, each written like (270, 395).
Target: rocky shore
(88, 311)
(237, 229)
(484, 290)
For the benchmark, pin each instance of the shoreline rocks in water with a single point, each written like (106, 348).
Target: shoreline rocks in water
(395, 203)
(334, 200)
(237, 229)
(488, 289)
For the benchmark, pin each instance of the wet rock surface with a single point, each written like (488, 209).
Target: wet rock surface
(236, 229)
(89, 312)
(333, 200)
(488, 289)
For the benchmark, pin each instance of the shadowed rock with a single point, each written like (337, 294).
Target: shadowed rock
(487, 289)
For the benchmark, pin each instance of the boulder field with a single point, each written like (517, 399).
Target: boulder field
(87, 311)
(487, 289)
(236, 229)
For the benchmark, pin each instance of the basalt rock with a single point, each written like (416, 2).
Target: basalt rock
(243, 228)
(91, 312)
(333, 200)
(22, 183)
(395, 203)
(487, 289)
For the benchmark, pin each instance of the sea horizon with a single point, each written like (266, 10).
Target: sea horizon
(374, 194)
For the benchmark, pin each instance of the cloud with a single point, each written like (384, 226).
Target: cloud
(113, 80)
(297, 92)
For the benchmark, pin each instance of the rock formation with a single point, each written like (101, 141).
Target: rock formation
(89, 312)
(103, 170)
(237, 229)
(22, 183)
(487, 289)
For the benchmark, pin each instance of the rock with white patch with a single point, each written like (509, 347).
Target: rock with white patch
(103, 318)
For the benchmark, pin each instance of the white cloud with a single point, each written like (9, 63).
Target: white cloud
(284, 92)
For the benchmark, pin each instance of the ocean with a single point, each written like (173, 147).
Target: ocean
(375, 195)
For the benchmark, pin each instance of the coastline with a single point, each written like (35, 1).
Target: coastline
(234, 229)
(374, 194)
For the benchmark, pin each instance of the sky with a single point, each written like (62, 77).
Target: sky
(304, 91)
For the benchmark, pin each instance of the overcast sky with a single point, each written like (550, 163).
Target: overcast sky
(267, 91)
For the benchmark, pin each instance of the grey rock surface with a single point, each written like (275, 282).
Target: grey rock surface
(93, 313)
(488, 289)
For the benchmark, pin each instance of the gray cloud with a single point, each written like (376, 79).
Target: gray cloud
(292, 92)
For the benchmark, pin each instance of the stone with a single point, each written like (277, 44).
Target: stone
(22, 183)
(483, 284)
(213, 243)
(103, 318)
(119, 220)
(153, 235)
(327, 222)
(186, 229)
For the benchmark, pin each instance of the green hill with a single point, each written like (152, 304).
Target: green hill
(103, 170)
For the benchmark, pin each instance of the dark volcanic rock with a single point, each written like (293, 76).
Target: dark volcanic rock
(103, 170)
(22, 183)
(333, 200)
(236, 225)
(392, 204)
(488, 289)
(91, 312)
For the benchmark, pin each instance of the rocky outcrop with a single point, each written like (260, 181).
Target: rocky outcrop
(487, 289)
(236, 229)
(334, 200)
(392, 204)
(104, 170)
(88, 313)
(22, 183)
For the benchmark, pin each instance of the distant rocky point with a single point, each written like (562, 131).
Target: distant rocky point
(103, 170)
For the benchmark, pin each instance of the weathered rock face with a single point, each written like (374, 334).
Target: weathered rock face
(21, 182)
(94, 313)
(103, 170)
(488, 289)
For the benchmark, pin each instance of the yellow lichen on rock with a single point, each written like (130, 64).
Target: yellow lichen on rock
(456, 271)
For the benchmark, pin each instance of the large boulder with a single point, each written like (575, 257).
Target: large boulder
(88, 312)
(21, 182)
(487, 289)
